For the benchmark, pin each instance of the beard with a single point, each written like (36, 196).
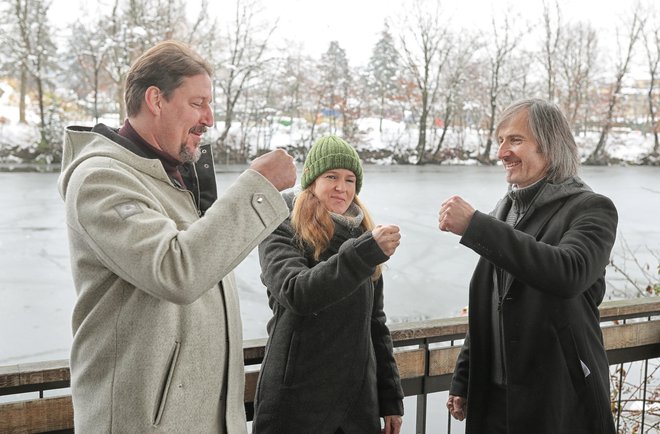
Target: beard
(187, 155)
(191, 156)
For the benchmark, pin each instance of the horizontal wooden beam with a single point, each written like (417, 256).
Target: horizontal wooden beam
(443, 360)
(436, 329)
(411, 363)
(631, 335)
(20, 378)
(629, 308)
(35, 416)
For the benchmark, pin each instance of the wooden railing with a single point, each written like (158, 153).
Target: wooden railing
(425, 353)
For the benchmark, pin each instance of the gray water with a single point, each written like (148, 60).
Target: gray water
(426, 278)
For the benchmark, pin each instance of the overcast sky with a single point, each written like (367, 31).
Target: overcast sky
(356, 24)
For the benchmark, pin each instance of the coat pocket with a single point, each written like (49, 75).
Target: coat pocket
(166, 380)
(577, 370)
(290, 368)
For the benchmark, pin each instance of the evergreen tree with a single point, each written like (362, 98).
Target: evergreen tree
(383, 70)
(335, 80)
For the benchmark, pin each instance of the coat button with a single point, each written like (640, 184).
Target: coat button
(203, 151)
(206, 166)
(260, 199)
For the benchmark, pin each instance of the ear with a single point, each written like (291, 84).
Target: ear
(153, 98)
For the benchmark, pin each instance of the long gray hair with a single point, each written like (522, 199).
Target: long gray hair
(552, 132)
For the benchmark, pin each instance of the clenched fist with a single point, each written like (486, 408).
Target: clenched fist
(457, 406)
(455, 215)
(388, 238)
(276, 166)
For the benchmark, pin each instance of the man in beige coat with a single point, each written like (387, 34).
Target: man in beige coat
(157, 333)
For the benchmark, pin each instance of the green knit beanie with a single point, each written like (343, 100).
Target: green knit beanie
(331, 152)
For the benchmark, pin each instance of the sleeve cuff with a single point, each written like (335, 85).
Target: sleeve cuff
(367, 248)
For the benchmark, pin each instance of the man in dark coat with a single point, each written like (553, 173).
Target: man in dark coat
(533, 360)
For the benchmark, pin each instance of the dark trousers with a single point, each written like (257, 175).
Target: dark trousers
(495, 415)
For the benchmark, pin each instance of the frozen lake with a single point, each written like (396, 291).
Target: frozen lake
(426, 278)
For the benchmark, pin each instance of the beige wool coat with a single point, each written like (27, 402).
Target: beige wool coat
(157, 341)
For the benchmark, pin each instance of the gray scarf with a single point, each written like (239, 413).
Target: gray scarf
(352, 218)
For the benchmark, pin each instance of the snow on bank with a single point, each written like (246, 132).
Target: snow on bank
(370, 135)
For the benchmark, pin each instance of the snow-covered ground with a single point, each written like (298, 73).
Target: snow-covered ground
(401, 137)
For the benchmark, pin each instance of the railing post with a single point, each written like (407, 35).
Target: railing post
(618, 402)
(645, 379)
(451, 344)
(422, 398)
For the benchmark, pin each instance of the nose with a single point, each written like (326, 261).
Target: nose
(340, 186)
(207, 117)
(503, 151)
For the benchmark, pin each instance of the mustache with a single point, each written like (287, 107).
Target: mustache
(199, 129)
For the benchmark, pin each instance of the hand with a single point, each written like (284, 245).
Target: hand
(277, 167)
(392, 425)
(455, 215)
(457, 406)
(388, 238)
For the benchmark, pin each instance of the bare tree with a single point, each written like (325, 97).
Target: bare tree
(153, 21)
(501, 48)
(455, 82)
(242, 58)
(132, 27)
(635, 25)
(651, 36)
(88, 49)
(294, 72)
(552, 31)
(297, 92)
(201, 32)
(425, 44)
(31, 48)
(579, 48)
(124, 47)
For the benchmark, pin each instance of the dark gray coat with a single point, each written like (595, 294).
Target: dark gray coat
(556, 257)
(328, 361)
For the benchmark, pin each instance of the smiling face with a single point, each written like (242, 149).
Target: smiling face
(335, 189)
(184, 117)
(519, 152)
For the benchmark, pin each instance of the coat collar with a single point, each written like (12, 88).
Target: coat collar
(82, 143)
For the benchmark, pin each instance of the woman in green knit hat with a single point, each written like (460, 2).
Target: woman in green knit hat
(328, 366)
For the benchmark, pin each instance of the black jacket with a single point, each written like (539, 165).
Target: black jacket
(328, 360)
(556, 366)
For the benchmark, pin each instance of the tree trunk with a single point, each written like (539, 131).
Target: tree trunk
(597, 154)
(654, 124)
(42, 114)
(382, 113)
(448, 114)
(441, 141)
(96, 95)
(421, 141)
(22, 96)
(122, 103)
(485, 156)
